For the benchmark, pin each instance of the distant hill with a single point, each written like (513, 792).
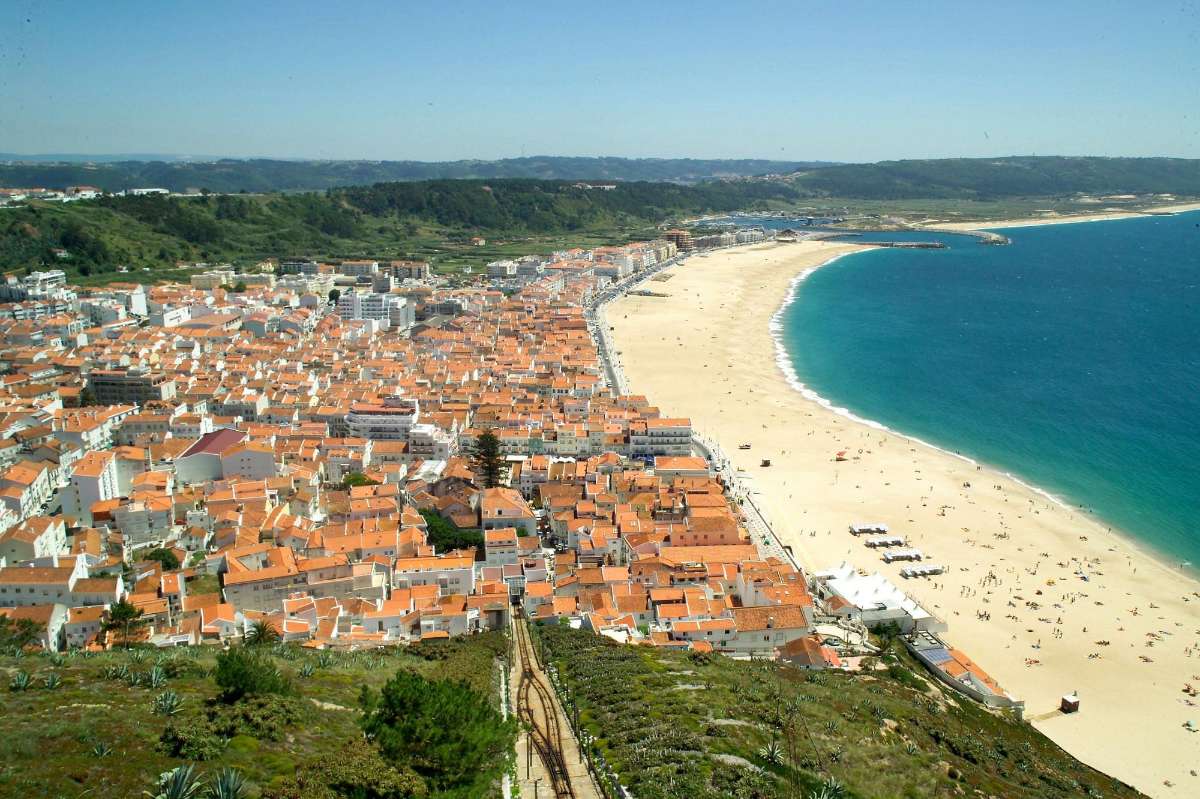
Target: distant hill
(155, 231)
(995, 178)
(271, 175)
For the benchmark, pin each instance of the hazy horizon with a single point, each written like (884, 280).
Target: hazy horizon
(475, 81)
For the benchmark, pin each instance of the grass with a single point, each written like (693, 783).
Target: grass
(98, 736)
(680, 725)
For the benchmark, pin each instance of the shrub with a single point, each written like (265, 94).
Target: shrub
(193, 740)
(242, 672)
(262, 716)
(354, 771)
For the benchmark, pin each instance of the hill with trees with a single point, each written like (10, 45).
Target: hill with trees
(385, 219)
(996, 178)
(272, 175)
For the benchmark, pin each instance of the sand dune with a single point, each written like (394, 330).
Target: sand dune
(706, 352)
(1052, 219)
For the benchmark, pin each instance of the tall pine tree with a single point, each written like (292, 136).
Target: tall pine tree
(486, 460)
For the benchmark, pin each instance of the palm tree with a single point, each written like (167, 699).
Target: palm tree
(180, 783)
(262, 632)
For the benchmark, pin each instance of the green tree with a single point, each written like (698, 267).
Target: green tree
(486, 460)
(445, 535)
(124, 616)
(168, 559)
(17, 634)
(334, 295)
(444, 731)
(239, 287)
(355, 479)
(262, 632)
(242, 672)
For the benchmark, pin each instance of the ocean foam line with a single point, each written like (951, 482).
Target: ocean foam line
(784, 361)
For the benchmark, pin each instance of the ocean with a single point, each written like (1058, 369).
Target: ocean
(1070, 359)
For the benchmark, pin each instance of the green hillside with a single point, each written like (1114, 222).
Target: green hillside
(435, 220)
(432, 219)
(270, 175)
(675, 725)
(998, 178)
(99, 725)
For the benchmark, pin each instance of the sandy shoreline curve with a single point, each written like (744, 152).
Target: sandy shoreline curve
(1066, 219)
(1127, 638)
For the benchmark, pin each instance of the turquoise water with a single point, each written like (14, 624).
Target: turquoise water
(1070, 358)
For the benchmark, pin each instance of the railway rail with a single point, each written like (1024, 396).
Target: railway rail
(536, 707)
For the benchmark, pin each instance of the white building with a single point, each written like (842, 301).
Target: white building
(93, 480)
(397, 312)
(390, 419)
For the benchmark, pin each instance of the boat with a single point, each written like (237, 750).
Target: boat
(765, 462)
(743, 446)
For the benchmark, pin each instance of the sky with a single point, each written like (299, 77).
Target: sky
(837, 81)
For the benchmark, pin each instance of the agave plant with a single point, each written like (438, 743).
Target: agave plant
(180, 783)
(155, 678)
(306, 670)
(829, 789)
(51, 681)
(167, 703)
(772, 753)
(118, 672)
(19, 682)
(229, 784)
(101, 750)
(55, 659)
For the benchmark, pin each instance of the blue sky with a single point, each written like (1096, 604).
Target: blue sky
(834, 81)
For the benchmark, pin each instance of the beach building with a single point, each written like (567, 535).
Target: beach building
(956, 670)
(872, 600)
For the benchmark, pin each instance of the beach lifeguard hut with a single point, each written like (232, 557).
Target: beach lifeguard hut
(1069, 703)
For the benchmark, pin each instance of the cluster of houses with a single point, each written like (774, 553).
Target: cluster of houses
(221, 458)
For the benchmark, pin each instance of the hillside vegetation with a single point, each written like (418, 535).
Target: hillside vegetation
(436, 219)
(675, 725)
(268, 175)
(421, 219)
(296, 724)
(998, 178)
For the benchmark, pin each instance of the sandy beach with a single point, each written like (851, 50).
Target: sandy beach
(1127, 638)
(1063, 219)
